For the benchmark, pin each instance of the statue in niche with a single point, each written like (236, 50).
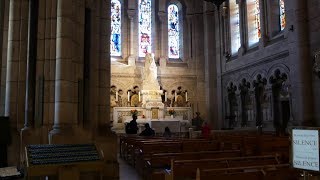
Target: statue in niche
(150, 80)
(259, 86)
(134, 99)
(113, 90)
(172, 98)
(180, 97)
(280, 123)
(120, 100)
(233, 104)
(244, 88)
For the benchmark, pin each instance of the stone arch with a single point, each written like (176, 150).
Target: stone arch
(283, 69)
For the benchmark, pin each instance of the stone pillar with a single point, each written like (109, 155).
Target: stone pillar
(132, 35)
(164, 35)
(1, 34)
(242, 24)
(263, 25)
(31, 63)
(65, 107)
(299, 60)
(16, 61)
(210, 76)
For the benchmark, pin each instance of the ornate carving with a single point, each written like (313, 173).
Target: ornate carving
(316, 65)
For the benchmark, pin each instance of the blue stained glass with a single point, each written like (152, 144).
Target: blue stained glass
(115, 39)
(173, 32)
(144, 27)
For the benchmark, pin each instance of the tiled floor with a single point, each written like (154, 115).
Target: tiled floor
(127, 172)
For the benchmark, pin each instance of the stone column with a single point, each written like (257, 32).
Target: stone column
(299, 60)
(1, 34)
(263, 28)
(164, 36)
(132, 35)
(65, 106)
(16, 60)
(242, 24)
(31, 63)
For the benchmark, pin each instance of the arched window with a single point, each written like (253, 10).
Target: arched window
(253, 14)
(234, 26)
(282, 15)
(145, 25)
(173, 32)
(115, 40)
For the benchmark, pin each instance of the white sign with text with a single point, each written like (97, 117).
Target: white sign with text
(305, 149)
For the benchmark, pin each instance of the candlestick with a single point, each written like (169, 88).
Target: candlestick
(117, 98)
(175, 96)
(128, 96)
(186, 96)
(139, 97)
(165, 96)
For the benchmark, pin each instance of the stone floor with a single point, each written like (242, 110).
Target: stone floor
(127, 172)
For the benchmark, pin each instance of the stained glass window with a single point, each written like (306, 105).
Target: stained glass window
(144, 27)
(282, 15)
(173, 32)
(115, 39)
(234, 26)
(254, 30)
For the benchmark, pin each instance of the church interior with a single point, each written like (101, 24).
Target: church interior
(227, 87)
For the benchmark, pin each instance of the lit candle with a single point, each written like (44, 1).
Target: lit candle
(165, 96)
(186, 96)
(128, 96)
(175, 96)
(117, 96)
(139, 97)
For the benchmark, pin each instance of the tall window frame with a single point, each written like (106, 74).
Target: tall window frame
(174, 34)
(282, 15)
(180, 27)
(145, 14)
(116, 33)
(234, 25)
(253, 22)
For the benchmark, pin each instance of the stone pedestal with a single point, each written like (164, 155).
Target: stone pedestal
(151, 96)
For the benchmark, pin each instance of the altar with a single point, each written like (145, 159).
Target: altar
(150, 105)
(179, 123)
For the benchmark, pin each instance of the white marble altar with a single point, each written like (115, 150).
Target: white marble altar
(180, 122)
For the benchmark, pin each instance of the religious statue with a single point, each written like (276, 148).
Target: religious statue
(150, 81)
(113, 94)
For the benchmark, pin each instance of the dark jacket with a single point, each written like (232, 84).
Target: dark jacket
(132, 127)
(147, 132)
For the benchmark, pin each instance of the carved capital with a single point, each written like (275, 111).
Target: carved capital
(131, 13)
(316, 65)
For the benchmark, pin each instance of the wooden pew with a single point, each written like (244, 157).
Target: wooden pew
(181, 169)
(156, 163)
(265, 172)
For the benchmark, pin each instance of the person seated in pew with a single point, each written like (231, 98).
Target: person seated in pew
(206, 131)
(147, 131)
(167, 132)
(132, 127)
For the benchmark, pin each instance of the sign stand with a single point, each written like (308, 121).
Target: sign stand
(305, 151)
